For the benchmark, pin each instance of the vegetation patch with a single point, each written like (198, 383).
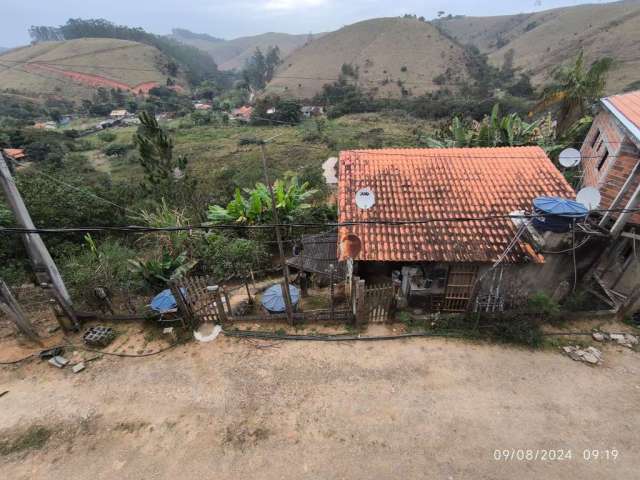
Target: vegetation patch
(33, 438)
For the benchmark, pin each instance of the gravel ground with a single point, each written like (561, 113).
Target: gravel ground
(415, 408)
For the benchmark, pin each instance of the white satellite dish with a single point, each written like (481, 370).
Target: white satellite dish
(570, 157)
(589, 197)
(365, 198)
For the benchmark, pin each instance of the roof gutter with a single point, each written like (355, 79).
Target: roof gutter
(630, 126)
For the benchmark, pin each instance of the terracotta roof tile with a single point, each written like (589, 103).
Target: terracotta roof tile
(416, 184)
(16, 153)
(629, 105)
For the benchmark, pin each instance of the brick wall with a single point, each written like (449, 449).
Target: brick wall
(607, 135)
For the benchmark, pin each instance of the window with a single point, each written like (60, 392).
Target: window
(595, 139)
(603, 159)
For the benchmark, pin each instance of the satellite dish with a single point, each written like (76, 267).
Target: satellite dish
(570, 157)
(351, 246)
(589, 197)
(365, 199)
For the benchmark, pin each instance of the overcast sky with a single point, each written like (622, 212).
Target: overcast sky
(234, 18)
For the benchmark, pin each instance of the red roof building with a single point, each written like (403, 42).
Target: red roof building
(611, 164)
(16, 154)
(431, 185)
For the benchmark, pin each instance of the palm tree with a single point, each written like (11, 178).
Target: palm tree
(575, 88)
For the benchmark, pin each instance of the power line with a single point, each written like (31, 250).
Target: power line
(187, 228)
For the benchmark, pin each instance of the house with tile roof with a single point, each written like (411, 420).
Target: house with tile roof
(611, 164)
(442, 216)
(15, 154)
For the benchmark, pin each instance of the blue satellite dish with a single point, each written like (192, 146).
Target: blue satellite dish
(165, 301)
(273, 298)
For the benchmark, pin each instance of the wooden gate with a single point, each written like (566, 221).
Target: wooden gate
(379, 302)
(460, 284)
(200, 300)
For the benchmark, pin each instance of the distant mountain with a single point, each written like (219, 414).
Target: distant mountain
(543, 40)
(3, 49)
(393, 56)
(232, 54)
(74, 69)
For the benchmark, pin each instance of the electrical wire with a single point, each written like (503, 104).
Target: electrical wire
(92, 350)
(187, 228)
(336, 338)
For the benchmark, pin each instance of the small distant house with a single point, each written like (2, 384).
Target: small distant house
(398, 206)
(118, 113)
(611, 164)
(242, 114)
(271, 111)
(202, 106)
(309, 111)
(45, 125)
(15, 154)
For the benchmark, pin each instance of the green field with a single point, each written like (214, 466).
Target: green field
(217, 159)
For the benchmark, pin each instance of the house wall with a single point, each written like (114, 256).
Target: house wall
(608, 135)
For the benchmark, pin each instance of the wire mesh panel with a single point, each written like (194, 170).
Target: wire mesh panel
(460, 283)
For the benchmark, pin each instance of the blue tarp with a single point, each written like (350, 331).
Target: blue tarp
(273, 298)
(560, 207)
(165, 301)
(559, 214)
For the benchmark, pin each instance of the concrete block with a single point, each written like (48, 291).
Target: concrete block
(78, 367)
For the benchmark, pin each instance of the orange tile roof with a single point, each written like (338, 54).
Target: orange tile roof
(416, 184)
(15, 153)
(628, 104)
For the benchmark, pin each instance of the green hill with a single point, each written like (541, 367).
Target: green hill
(543, 40)
(391, 54)
(74, 69)
(232, 54)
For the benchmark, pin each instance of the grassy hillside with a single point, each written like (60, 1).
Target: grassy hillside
(232, 54)
(391, 53)
(73, 69)
(545, 39)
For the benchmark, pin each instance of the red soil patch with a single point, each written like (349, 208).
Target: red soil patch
(94, 80)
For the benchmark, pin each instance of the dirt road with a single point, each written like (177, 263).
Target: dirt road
(418, 408)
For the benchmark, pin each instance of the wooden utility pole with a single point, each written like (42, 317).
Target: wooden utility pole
(10, 306)
(36, 249)
(276, 224)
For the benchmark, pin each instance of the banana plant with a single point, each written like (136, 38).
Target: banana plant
(291, 198)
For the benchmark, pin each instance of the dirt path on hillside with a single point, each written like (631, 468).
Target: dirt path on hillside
(418, 408)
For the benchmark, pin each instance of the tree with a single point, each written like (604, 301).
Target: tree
(165, 174)
(284, 111)
(495, 131)
(575, 88)
(260, 68)
(291, 200)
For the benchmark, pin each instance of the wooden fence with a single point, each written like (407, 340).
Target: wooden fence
(200, 300)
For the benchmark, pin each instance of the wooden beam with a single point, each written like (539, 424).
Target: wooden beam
(633, 236)
(36, 249)
(10, 306)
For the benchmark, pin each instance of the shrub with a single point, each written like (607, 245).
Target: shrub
(543, 306)
(104, 264)
(225, 257)
(117, 149)
(107, 137)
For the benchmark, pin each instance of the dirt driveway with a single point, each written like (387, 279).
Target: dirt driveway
(415, 408)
